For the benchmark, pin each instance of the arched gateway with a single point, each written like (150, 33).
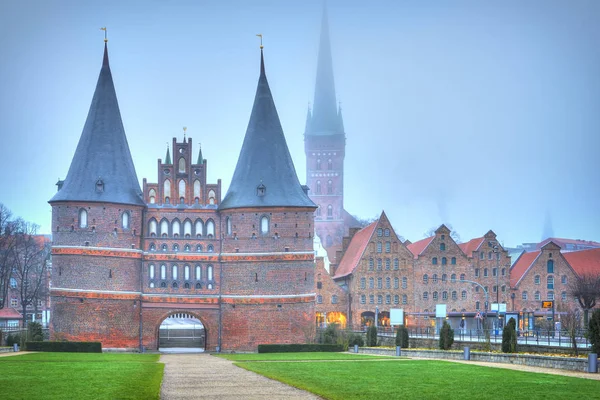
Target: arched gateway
(183, 331)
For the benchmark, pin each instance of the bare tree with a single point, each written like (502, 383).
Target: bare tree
(570, 322)
(30, 254)
(586, 289)
(7, 241)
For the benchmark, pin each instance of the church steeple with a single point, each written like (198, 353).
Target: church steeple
(324, 119)
(200, 158)
(264, 175)
(168, 156)
(102, 169)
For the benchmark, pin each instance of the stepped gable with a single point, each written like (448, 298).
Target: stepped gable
(102, 169)
(265, 175)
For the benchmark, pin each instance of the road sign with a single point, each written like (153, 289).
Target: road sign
(440, 311)
(396, 316)
(478, 316)
(548, 304)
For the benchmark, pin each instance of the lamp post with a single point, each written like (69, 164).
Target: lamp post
(376, 315)
(486, 296)
(497, 256)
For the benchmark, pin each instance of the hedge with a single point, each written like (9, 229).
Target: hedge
(69, 347)
(298, 348)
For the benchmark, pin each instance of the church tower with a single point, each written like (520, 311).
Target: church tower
(97, 218)
(324, 146)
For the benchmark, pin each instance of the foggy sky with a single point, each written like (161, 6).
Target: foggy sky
(484, 115)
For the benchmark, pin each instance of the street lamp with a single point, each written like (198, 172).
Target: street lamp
(376, 315)
(484, 291)
(497, 256)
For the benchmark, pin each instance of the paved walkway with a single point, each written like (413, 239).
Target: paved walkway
(202, 376)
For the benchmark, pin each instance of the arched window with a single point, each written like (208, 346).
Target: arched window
(151, 271)
(404, 282)
(388, 247)
(152, 227)
(442, 246)
(212, 197)
(453, 278)
(125, 220)
(210, 228)
(329, 164)
(163, 272)
(329, 187)
(198, 285)
(175, 247)
(264, 225)
(396, 283)
(182, 190)
(181, 164)
(164, 247)
(187, 248)
(434, 260)
(319, 211)
(176, 228)
(387, 264)
(318, 189)
(379, 283)
(199, 248)
(435, 296)
(453, 261)
(386, 232)
(83, 218)
(199, 228)
(444, 277)
(434, 278)
(396, 263)
(444, 261)
(210, 248)
(388, 283)
(174, 272)
(318, 163)
(152, 196)
(462, 277)
(329, 211)
(536, 279)
(550, 282)
(164, 228)
(197, 189)
(404, 299)
(379, 249)
(425, 296)
(209, 272)
(186, 272)
(550, 266)
(538, 296)
(379, 264)
(152, 247)
(396, 299)
(379, 299)
(425, 279)
(187, 229)
(198, 272)
(476, 272)
(228, 225)
(371, 264)
(444, 295)
(363, 283)
(463, 295)
(371, 283)
(167, 190)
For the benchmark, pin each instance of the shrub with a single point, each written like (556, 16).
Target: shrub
(35, 331)
(372, 336)
(355, 338)
(509, 337)
(331, 334)
(68, 347)
(594, 331)
(12, 339)
(402, 337)
(298, 348)
(446, 336)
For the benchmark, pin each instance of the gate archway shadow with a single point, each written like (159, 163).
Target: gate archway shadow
(181, 332)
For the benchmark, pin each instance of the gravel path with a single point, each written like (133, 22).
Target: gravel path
(202, 376)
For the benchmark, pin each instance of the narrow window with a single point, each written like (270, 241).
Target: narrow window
(434, 260)
(210, 228)
(453, 261)
(444, 261)
(550, 282)
(176, 228)
(330, 211)
(404, 282)
(199, 228)
(329, 187)
(318, 189)
(83, 218)
(198, 273)
(151, 271)
(329, 164)
(404, 299)
(442, 246)
(209, 272)
(152, 196)
(181, 164)
(264, 225)
(211, 197)
(186, 272)
(163, 272)
(550, 266)
(197, 189)
(464, 295)
(174, 271)
(167, 190)
(125, 220)
(182, 191)
(152, 228)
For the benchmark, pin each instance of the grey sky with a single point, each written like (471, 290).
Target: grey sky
(481, 114)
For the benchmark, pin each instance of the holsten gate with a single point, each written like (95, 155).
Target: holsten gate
(126, 258)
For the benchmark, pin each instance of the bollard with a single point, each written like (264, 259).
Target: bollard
(356, 348)
(398, 351)
(15, 347)
(592, 363)
(467, 353)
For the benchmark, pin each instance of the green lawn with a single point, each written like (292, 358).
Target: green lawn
(300, 356)
(80, 376)
(422, 379)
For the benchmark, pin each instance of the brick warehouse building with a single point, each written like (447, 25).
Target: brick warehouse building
(126, 259)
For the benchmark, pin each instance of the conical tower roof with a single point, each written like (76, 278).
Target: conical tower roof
(324, 119)
(102, 169)
(265, 175)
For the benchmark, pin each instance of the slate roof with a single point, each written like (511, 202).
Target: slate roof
(584, 262)
(417, 247)
(265, 159)
(325, 119)
(102, 153)
(355, 250)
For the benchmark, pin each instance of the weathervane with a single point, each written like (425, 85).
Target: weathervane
(260, 36)
(105, 38)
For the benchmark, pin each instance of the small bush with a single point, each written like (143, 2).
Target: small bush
(299, 348)
(402, 337)
(446, 336)
(12, 339)
(509, 337)
(372, 336)
(594, 331)
(354, 339)
(67, 347)
(35, 331)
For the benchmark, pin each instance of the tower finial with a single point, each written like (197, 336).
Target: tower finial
(184, 129)
(260, 36)
(105, 37)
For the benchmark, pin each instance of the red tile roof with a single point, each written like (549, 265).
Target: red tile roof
(521, 266)
(472, 245)
(355, 250)
(417, 247)
(584, 262)
(10, 313)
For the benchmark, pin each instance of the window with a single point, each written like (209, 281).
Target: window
(396, 264)
(197, 191)
(404, 299)
(330, 211)
(318, 190)
(167, 190)
(209, 273)
(463, 295)
(477, 305)
(563, 296)
(83, 218)
(212, 199)
(485, 272)
(494, 271)
(176, 228)
(388, 247)
(444, 295)
(371, 299)
(152, 227)
(490, 255)
(396, 283)
(151, 271)
(334, 299)
(379, 263)
(435, 296)
(434, 260)
(550, 282)
(228, 225)
(387, 264)
(379, 232)
(152, 196)
(13, 283)
(175, 247)
(379, 299)
(187, 229)
(462, 277)
(181, 165)
(210, 228)
(125, 220)
(329, 164)
(379, 283)
(444, 261)
(199, 228)
(396, 299)
(538, 296)
(371, 283)
(371, 264)
(363, 299)
(388, 283)
(536, 279)
(425, 295)
(443, 246)
(550, 266)
(318, 163)
(404, 282)
(14, 302)
(198, 273)
(453, 261)
(425, 279)
(199, 248)
(503, 271)
(386, 232)
(319, 211)
(319, 299)
(476, 272)
(563, 279)
(174, 271)
(182, 191)
(481, 255)
(444, 277)
(434, 278)
(163, 272)
(186, 272)
(363, 283)
(379, 247)
(388, 299)
(550, 295)
(163, 247)
(329, 187)
(453, 278)
(494, 288)
(164, 228)
(476, 289)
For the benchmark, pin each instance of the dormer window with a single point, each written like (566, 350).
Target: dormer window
(99, 185)
(261, 190)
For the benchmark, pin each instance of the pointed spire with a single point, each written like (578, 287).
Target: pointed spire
(168, 156)
(340, 119)
(324, 115)
(308, 119)
(265, 175)
(102, 151)
(200, 158)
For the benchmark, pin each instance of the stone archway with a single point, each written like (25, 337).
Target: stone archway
(181, 331)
